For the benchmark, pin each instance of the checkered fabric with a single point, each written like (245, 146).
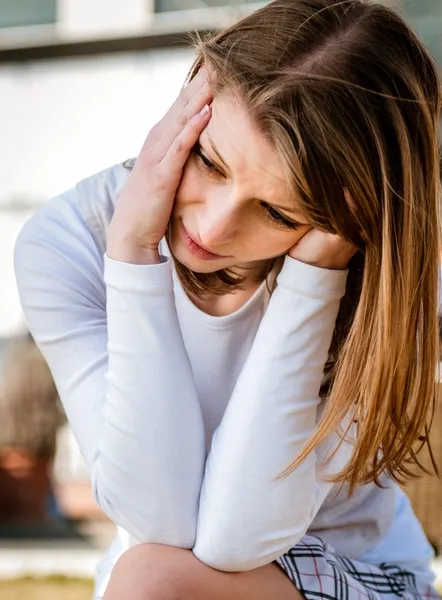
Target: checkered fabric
(318, 572)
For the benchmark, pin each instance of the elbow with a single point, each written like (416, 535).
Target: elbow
(147, 522)
(232, 546)
(236, 555)
(227, 559)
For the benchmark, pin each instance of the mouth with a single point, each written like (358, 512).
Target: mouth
(197, 250)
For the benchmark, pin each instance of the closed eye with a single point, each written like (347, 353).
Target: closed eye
(279, 219)
(208, 167)
(204, 162)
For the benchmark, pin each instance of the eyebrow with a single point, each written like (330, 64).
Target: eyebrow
(294, 211)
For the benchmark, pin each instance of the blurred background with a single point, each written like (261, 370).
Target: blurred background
(81, 84)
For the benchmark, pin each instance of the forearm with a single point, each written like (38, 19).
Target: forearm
(247, 516)
(152, 449)
(121, 371)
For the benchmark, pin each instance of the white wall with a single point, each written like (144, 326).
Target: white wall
(63, 120)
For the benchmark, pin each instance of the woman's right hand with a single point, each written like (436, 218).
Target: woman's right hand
(144, 206)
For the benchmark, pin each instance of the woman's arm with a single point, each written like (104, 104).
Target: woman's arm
(247, 517)
(124, 377)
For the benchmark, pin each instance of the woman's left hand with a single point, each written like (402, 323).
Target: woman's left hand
(321, 249)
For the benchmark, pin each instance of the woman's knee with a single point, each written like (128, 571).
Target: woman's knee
(151, 572)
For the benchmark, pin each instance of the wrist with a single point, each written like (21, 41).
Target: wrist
(312, 280)
(329, 263)
(130, 253)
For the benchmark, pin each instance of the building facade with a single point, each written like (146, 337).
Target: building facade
(83, 81)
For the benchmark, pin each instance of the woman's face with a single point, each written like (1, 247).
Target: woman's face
(233, 199)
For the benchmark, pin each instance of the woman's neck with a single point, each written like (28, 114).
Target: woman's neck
(226, 304)
(221, 305)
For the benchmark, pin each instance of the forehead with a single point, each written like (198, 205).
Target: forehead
(251, 159)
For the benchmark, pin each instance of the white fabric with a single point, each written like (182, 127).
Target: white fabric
(149, 383)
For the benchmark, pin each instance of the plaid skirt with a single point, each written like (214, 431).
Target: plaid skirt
(319, 572)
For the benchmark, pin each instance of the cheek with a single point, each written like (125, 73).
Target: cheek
(274, 242)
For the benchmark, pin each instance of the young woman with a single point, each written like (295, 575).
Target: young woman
(243, 326)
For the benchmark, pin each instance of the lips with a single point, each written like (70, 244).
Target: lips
(198, 250)
(195, 241)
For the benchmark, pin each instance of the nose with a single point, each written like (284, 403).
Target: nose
(218, 223)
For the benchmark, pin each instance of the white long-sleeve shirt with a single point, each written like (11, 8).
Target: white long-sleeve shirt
(184, 419)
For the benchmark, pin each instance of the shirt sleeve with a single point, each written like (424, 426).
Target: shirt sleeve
(116, 352)
(248, 516)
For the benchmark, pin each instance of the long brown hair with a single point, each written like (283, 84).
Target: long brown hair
(350, 98)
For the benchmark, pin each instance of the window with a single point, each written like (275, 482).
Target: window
(168, 5)
(20, 13)
(425, 16)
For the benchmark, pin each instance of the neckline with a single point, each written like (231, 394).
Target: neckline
(226, 321)
(258, 299)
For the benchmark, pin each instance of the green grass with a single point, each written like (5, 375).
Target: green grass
(51, 588)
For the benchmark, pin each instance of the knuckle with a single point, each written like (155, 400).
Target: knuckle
(182, 120)
(155, 129)
(178, 147)
(155, 133)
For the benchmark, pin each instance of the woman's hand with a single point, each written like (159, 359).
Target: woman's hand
(145, 203)
(321, 249)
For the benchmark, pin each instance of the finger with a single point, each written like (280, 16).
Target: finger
(180, 112)
(178, 154)
(179, 121)
(200, 79)
(198, 84)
